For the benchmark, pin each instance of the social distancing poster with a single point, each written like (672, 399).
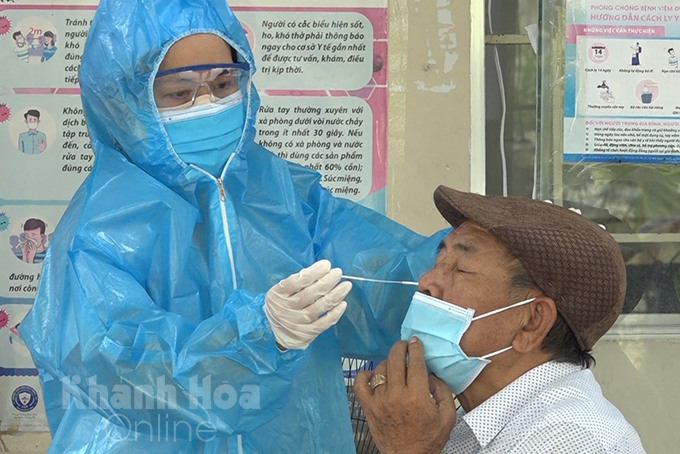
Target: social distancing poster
(621, 81)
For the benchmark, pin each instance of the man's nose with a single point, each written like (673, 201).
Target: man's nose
(430, 283)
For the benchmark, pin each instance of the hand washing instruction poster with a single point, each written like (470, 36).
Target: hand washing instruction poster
(622, 81)
(322, 75)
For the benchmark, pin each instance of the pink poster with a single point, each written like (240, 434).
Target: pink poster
(322, 76)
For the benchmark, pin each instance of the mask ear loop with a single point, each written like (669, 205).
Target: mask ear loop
(503, 350)
(503, 309)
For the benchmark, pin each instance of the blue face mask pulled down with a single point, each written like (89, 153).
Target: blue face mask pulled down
(440, 326)
(206, 135)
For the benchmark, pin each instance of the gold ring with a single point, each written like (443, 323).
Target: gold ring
(377, 380)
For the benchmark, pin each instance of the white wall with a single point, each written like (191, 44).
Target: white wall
(642, 378)
(436, 68)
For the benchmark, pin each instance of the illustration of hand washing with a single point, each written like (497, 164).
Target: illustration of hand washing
(605, 93)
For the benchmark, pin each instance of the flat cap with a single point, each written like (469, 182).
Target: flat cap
(572, 259)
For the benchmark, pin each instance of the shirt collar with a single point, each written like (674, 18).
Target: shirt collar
(489, 418)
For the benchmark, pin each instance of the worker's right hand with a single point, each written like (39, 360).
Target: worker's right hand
(305, 304)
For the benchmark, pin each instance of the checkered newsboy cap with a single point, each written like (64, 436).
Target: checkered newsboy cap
(572, 259)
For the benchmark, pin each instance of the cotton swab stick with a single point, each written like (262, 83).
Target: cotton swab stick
(381, 281)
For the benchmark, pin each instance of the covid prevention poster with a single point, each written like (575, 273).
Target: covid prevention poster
(322, 79)
(622, 100)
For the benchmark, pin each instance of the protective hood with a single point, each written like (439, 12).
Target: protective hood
(156, 276)
(133, 37)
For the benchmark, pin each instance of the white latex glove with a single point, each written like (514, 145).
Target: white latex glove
(294, 306)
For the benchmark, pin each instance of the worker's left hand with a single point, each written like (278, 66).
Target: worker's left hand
(411, 412)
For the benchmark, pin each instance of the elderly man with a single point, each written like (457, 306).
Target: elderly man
(519, 294)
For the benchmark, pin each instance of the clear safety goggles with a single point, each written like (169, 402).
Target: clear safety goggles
(176, 87)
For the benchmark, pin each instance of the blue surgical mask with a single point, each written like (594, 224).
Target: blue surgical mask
(440, 327)
(207, 133)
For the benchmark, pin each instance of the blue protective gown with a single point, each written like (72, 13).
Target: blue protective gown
(148, 328)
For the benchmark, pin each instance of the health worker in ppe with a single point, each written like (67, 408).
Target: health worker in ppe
(190, 252)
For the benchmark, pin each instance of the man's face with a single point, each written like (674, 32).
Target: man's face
(672, 52)
(32, 122)
(20, 40)
(35, 235)
(472, 271)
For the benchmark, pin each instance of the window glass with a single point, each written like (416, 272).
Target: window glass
(518, 64)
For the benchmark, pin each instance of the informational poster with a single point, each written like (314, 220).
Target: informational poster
(322, 78)
(622, 97)
(322, 75)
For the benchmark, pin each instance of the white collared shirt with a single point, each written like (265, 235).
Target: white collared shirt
(553, 408)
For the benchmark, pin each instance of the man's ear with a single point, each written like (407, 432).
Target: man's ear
(538, 317)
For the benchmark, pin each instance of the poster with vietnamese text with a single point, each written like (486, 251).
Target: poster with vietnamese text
(622, 100)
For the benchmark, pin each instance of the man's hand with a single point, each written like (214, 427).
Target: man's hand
(411, 413)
